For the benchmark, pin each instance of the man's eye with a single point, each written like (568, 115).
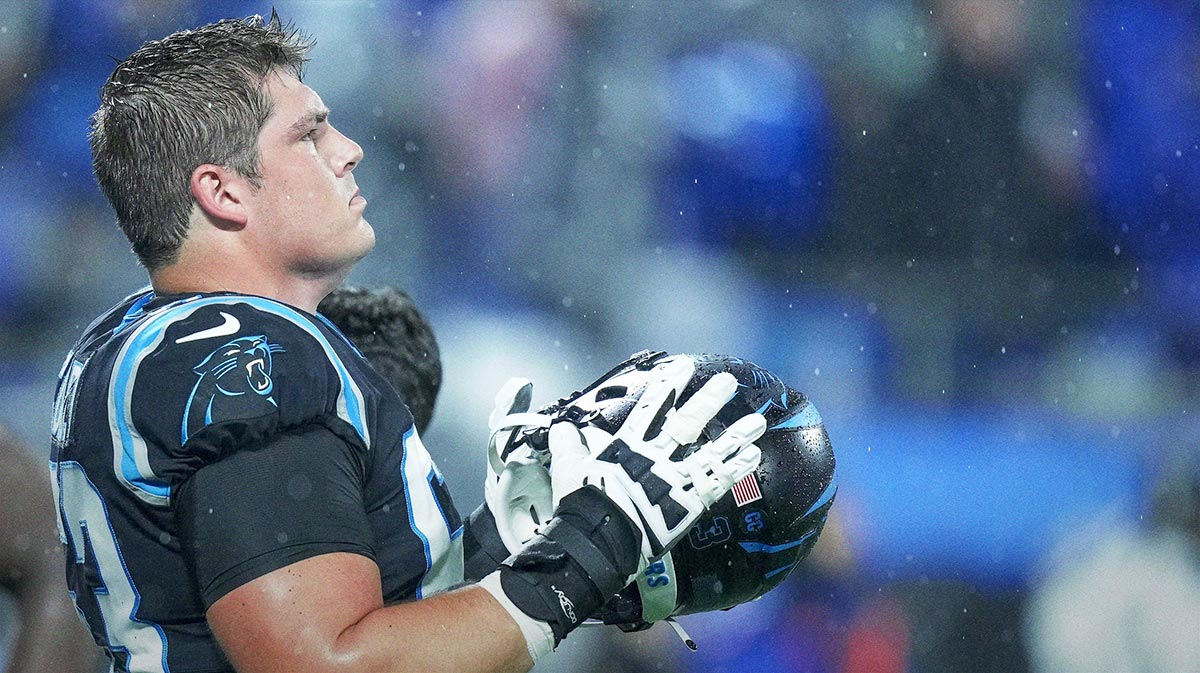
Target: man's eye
(311, 135)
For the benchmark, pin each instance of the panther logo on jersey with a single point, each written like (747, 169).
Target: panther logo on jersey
(235, 382)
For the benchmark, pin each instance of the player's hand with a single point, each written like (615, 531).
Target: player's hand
(663, 497)
(517, 486)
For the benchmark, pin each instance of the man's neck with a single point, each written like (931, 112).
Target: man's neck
(302, 292)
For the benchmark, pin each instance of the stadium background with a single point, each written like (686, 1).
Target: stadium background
(967, 230)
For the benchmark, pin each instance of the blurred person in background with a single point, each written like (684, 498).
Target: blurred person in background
(969, 182)
(1119, 599)
(49, 637)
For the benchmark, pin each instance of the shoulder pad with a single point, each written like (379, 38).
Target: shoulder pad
(206, 375)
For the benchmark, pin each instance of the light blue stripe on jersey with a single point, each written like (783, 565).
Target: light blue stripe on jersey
(350, 406)
(131, 461)
(131, 458)
(411, 505)
(337, 330)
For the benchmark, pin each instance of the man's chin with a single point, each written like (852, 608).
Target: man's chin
(364, 242)
(331, 266)
(368, 242)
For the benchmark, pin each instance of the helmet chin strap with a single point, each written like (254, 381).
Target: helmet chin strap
(671, 621)
(683, 635)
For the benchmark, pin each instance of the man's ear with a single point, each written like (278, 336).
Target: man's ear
(221, 193)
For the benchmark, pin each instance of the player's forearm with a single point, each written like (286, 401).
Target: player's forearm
(515, 615)
(463, 630)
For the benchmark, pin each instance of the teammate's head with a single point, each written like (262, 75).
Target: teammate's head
(195, 97)
(393, 335)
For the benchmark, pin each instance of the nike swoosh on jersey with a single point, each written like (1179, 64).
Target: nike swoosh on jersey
(230, 326)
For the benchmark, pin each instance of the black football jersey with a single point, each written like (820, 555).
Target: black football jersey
(287, 416)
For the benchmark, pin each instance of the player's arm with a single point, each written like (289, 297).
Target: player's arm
(326, 614)
(282, 553)
(50, 637)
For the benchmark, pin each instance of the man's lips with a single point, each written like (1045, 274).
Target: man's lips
(357, 198)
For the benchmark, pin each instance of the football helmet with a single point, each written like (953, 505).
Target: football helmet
(748, 541)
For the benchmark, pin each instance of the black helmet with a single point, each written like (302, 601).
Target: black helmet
(749, 540)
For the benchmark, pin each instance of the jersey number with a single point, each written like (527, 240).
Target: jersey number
(112, 599)
(440, 530)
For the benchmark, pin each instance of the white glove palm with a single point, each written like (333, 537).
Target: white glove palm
(664, 497)
(517, 487)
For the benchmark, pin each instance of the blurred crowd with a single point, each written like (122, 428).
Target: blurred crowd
(969, 230)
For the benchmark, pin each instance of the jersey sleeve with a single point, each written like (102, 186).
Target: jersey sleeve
(206, 377)
(297, 496)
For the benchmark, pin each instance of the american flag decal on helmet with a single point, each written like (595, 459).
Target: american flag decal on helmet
(746, 491)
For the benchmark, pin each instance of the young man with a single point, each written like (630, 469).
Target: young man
(238, 488)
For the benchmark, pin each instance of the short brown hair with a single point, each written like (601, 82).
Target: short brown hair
(386, 326)
(195, 97)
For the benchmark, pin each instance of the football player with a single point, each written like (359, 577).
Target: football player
(238, 488)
